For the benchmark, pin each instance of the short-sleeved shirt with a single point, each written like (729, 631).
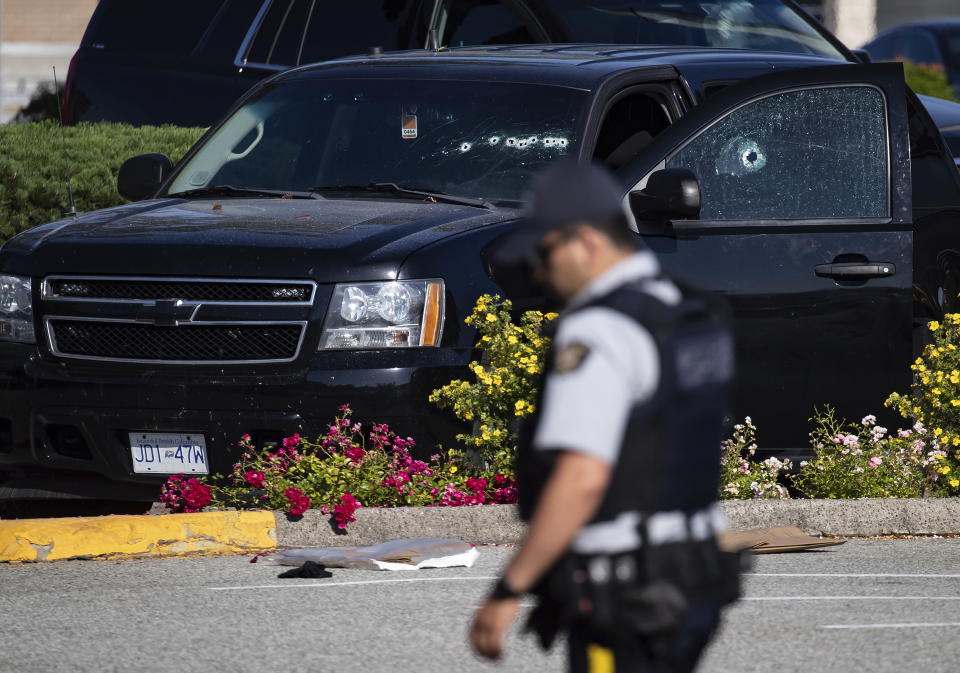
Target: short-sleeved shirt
(604, 364)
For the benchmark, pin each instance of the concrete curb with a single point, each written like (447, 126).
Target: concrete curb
(132, 536)
(233, 532)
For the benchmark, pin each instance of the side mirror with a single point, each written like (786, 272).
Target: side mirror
(671, 193)
(141, 176)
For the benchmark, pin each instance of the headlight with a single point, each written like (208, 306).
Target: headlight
(16, 310)
(396, 314)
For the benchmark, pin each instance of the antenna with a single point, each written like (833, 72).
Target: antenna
(66, 155)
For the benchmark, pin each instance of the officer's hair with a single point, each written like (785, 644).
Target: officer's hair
(617, 229)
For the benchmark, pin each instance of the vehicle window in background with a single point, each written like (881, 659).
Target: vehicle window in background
(918, 46)
(453, 137)
(816, 153)
(739, 24)
(950, 41)
(470, 22)
(148, 28)
(281, 38)
(884, 48)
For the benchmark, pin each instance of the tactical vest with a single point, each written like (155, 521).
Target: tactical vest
(669, 461)
(669, 457)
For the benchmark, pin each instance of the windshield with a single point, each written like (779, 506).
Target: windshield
(477, 139)
(740, 24)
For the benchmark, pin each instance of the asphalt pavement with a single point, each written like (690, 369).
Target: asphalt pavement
(883, 606)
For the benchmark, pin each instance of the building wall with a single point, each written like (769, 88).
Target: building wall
(35, 36)
(45, 21)
(894, 12)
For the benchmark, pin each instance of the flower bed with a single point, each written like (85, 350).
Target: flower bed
(350, 467)
(346, 469)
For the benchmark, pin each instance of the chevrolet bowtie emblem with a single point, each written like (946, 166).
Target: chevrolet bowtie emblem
(167, 312)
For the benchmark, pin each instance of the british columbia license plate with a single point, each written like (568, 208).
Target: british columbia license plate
(168, 453)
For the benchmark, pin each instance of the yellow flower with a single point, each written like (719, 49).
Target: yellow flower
(485, 338)
(935, 391)
(520, 404)
(955, 403)
(491, 317)
(553, 316)
(955, 482)
(939, 457)
(511, 339)
(452, 469)
(933, 325)
(938, 431)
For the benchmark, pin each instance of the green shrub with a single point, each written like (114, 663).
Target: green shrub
(506, 381)
(865, 460)
(741, 476)
(34, 166)
(929, 81)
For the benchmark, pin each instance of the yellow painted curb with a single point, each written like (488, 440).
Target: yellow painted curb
(164, 535)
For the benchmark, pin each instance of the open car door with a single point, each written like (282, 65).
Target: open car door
(805, 227)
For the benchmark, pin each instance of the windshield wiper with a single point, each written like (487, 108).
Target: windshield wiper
(393, 188)
(230, 190)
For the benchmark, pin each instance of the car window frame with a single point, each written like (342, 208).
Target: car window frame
(887, 77)
(530, 18)
(241, 61)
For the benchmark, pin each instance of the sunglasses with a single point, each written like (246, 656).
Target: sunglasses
(540, 257)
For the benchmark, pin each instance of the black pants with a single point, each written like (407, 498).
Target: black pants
(677, 652)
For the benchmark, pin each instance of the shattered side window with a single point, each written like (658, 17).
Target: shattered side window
(810, 154)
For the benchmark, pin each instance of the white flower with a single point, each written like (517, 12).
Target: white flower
(803, 463)
(869, 420)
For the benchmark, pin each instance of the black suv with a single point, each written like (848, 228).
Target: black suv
(323, 244)
(186, 61)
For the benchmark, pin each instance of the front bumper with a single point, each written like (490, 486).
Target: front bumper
(64, 425)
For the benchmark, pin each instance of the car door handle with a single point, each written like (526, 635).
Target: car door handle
(855, 270)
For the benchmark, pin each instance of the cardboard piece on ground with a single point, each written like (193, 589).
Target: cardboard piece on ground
(406, 554)
(773, 540)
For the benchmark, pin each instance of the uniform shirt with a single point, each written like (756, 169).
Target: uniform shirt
(605, 364)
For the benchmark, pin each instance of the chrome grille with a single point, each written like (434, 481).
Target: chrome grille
(211, 343)
(100, 288)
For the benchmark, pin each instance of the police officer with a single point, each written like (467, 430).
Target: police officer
(618, 472)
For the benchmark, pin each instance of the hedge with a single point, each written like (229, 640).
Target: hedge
(34, 161)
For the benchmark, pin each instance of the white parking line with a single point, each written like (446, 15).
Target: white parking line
(861, 575)
(890, 626)
(851, 598)
(291, 585)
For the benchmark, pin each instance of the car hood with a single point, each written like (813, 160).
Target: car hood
(323, 239)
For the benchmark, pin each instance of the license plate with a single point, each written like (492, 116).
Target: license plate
(168, 453)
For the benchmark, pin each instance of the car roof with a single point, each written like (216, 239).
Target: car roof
(577, 65)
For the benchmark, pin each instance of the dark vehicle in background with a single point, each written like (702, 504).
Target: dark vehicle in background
(934, 43)
(185, 62)
(323, 244)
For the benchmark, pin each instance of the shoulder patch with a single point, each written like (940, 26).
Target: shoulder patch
(570, 358)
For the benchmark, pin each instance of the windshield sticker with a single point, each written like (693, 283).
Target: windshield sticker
(408, 122)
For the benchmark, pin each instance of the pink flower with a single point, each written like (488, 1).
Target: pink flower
(343, 512)
(875, 461)
(196, 495)
(254, 478)
(477, 486)
(299, 503)
(506, 495)
(245, 437)
(355, 454)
